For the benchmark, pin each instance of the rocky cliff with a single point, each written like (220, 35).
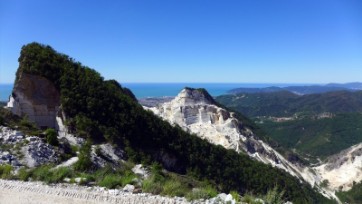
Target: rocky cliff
(343, 169)
(195, 111)
(36, 97)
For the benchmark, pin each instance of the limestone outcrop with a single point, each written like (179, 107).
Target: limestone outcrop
(343, 169)
(37, 98)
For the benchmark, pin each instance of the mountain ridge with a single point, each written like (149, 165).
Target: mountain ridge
(302, 90)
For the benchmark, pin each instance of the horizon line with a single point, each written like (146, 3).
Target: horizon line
(319, 83)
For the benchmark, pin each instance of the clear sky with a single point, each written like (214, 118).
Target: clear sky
(260, 41)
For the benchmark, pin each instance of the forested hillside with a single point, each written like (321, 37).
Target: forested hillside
(286, 104)
(314, 125)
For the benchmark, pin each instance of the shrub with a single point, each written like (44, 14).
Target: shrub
(23, 174)
(235, 196)
(202, 193)
(110, 181)
(128, 178)
(174, 188)
(26, 124)
(152, 186)
(84, 162)
(5, 171)
(273, 196)
(60, 173)
(51, 137)
(42, 173)
(154, 183)
(250, 199)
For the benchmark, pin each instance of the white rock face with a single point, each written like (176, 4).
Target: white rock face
(198, 114)
(64, 133)
(36, 97)
(195, 113)
(108, 155)
(141, 171)
(342, 169)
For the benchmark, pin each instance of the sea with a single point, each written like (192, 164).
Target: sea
(146, 90)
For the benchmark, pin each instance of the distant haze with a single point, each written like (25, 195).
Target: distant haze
(143, 90)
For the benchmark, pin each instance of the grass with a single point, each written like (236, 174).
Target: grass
(174, 188)
(24, 174)
(235, 196)
(154, 184)
(251, 199)
(5, 171)
(274, 196)
(110, 181)
(128, 178)
(201, 193)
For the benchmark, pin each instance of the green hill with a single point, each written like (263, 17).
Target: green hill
(302, 90)
(317, 137)
(101, 110)
(284, 103)
(300, 122)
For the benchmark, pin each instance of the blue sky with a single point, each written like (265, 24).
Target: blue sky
(245, 41)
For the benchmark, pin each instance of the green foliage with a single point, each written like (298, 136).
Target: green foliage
(103, 110)
(84, 162)
(352, 196)
(165, 184)
(284, 103)
(60, 173)
(325, 183)
(274, 196)
(51, 137)
(174, 188)
(47, 173)
(5, 171)
(110, 181)
(307, 133)
(250, 199)
(202, 193)
(154, 183)
(128, 177)
(317, 137)
(24, 174)
(42, 173)
(13, 121)
(235, 196)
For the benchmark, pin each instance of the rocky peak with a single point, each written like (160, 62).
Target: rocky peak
(194, 96)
